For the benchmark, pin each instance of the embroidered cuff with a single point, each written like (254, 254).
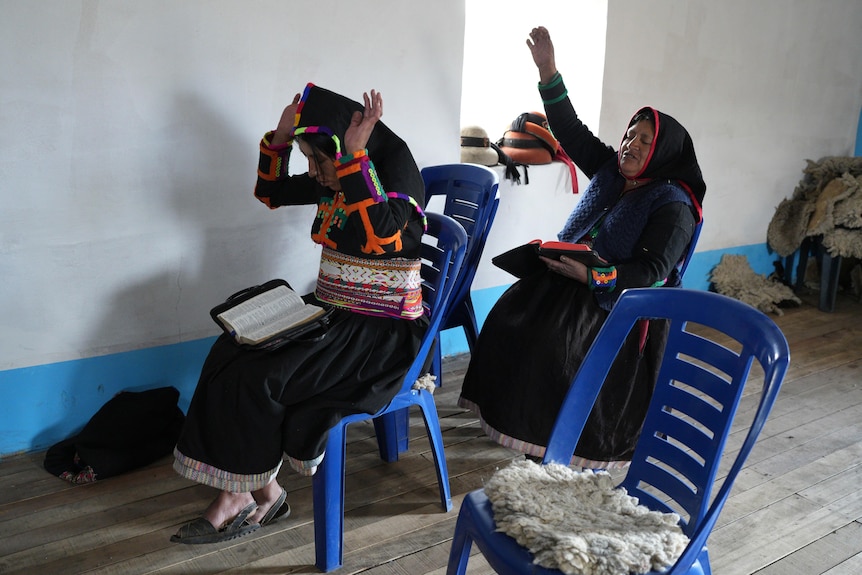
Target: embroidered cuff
(554, 91)
(357, 165)
(273, 159)
(603, 279)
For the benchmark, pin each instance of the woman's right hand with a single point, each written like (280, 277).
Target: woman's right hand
(543, 53)
(284, 131)
(568, 267)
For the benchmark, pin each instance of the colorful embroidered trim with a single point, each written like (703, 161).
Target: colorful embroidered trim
(273, 160)
(359, 162)
(531, 448)
(320, 130)
(555, 79)
(218, 478)
(305, 467)
(391, 288)
(554, 88)
(604, 279)
(413, 203)
(86, 475)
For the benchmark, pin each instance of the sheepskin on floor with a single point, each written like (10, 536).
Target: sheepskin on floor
(734, 277)
(579, 523)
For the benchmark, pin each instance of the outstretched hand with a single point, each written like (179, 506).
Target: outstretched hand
(542, 49)
(362, 123)
(285, 124)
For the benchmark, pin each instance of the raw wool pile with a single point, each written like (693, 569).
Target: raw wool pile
(578, 523)
(426, 382)
(734, 277)
(828, 202)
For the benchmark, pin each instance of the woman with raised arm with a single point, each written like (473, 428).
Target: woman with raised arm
(639, 213)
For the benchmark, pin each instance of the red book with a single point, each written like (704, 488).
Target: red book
(523, 261)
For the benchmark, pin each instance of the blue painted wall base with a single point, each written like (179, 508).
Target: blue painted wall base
(44, 404)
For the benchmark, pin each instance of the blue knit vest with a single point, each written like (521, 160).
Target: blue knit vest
(625, 217)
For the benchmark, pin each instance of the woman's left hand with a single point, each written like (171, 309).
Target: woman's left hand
(567, 267)
(362, 123)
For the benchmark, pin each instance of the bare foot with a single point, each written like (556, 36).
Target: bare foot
(265, 497)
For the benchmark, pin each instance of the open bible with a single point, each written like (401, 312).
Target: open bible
(523, 261)
(268, 315)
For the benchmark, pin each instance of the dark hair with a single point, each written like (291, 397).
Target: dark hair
(646, 115)
(319, 142)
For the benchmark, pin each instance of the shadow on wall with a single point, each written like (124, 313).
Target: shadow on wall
(224, 249)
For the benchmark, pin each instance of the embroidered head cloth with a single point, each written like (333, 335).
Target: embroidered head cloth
(323, 111)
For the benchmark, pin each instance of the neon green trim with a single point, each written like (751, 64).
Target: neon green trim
(562, 96)
(555, 79)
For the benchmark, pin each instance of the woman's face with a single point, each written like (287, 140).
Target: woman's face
(320, 167)
(635, 148)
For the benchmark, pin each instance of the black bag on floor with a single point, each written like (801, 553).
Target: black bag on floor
(131, 430)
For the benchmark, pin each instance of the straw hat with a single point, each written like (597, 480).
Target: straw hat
(476, 147)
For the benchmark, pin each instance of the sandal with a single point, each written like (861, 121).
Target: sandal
(279, 510)
(202, 531)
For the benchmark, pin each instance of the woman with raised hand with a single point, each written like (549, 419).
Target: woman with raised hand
(639, 213)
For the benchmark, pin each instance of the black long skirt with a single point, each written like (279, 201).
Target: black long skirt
(529, 349)
(251, 407)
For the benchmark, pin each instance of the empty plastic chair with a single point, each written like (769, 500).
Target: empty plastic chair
(675, 462)
(471, 199)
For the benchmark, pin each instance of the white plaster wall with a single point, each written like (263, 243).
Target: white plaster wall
(500, 78)
(128, 151)
(500, 82)
(761, 86)
(128, 131)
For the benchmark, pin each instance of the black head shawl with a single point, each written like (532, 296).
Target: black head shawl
(324, 111)
(672, 157)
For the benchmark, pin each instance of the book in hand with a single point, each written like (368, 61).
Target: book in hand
(268, 315)
(523, 261)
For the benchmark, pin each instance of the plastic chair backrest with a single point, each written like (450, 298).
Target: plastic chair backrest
(471, 199)
(690, 251)
(699, 385)
(442, 260)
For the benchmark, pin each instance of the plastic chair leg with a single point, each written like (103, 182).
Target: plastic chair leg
(460, 550)
(437, 362)
(435, 436)
(471, 328)
(830, 268)
(393, 433)
(802, 264)
(788, 268)
(328, 499)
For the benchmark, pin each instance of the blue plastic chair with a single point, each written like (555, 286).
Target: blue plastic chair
(440, 265)
(472, 198)
(688, 421)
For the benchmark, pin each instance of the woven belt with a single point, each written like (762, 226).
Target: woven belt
(378, 287)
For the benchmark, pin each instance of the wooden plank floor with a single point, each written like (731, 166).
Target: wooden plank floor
(795, 509)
